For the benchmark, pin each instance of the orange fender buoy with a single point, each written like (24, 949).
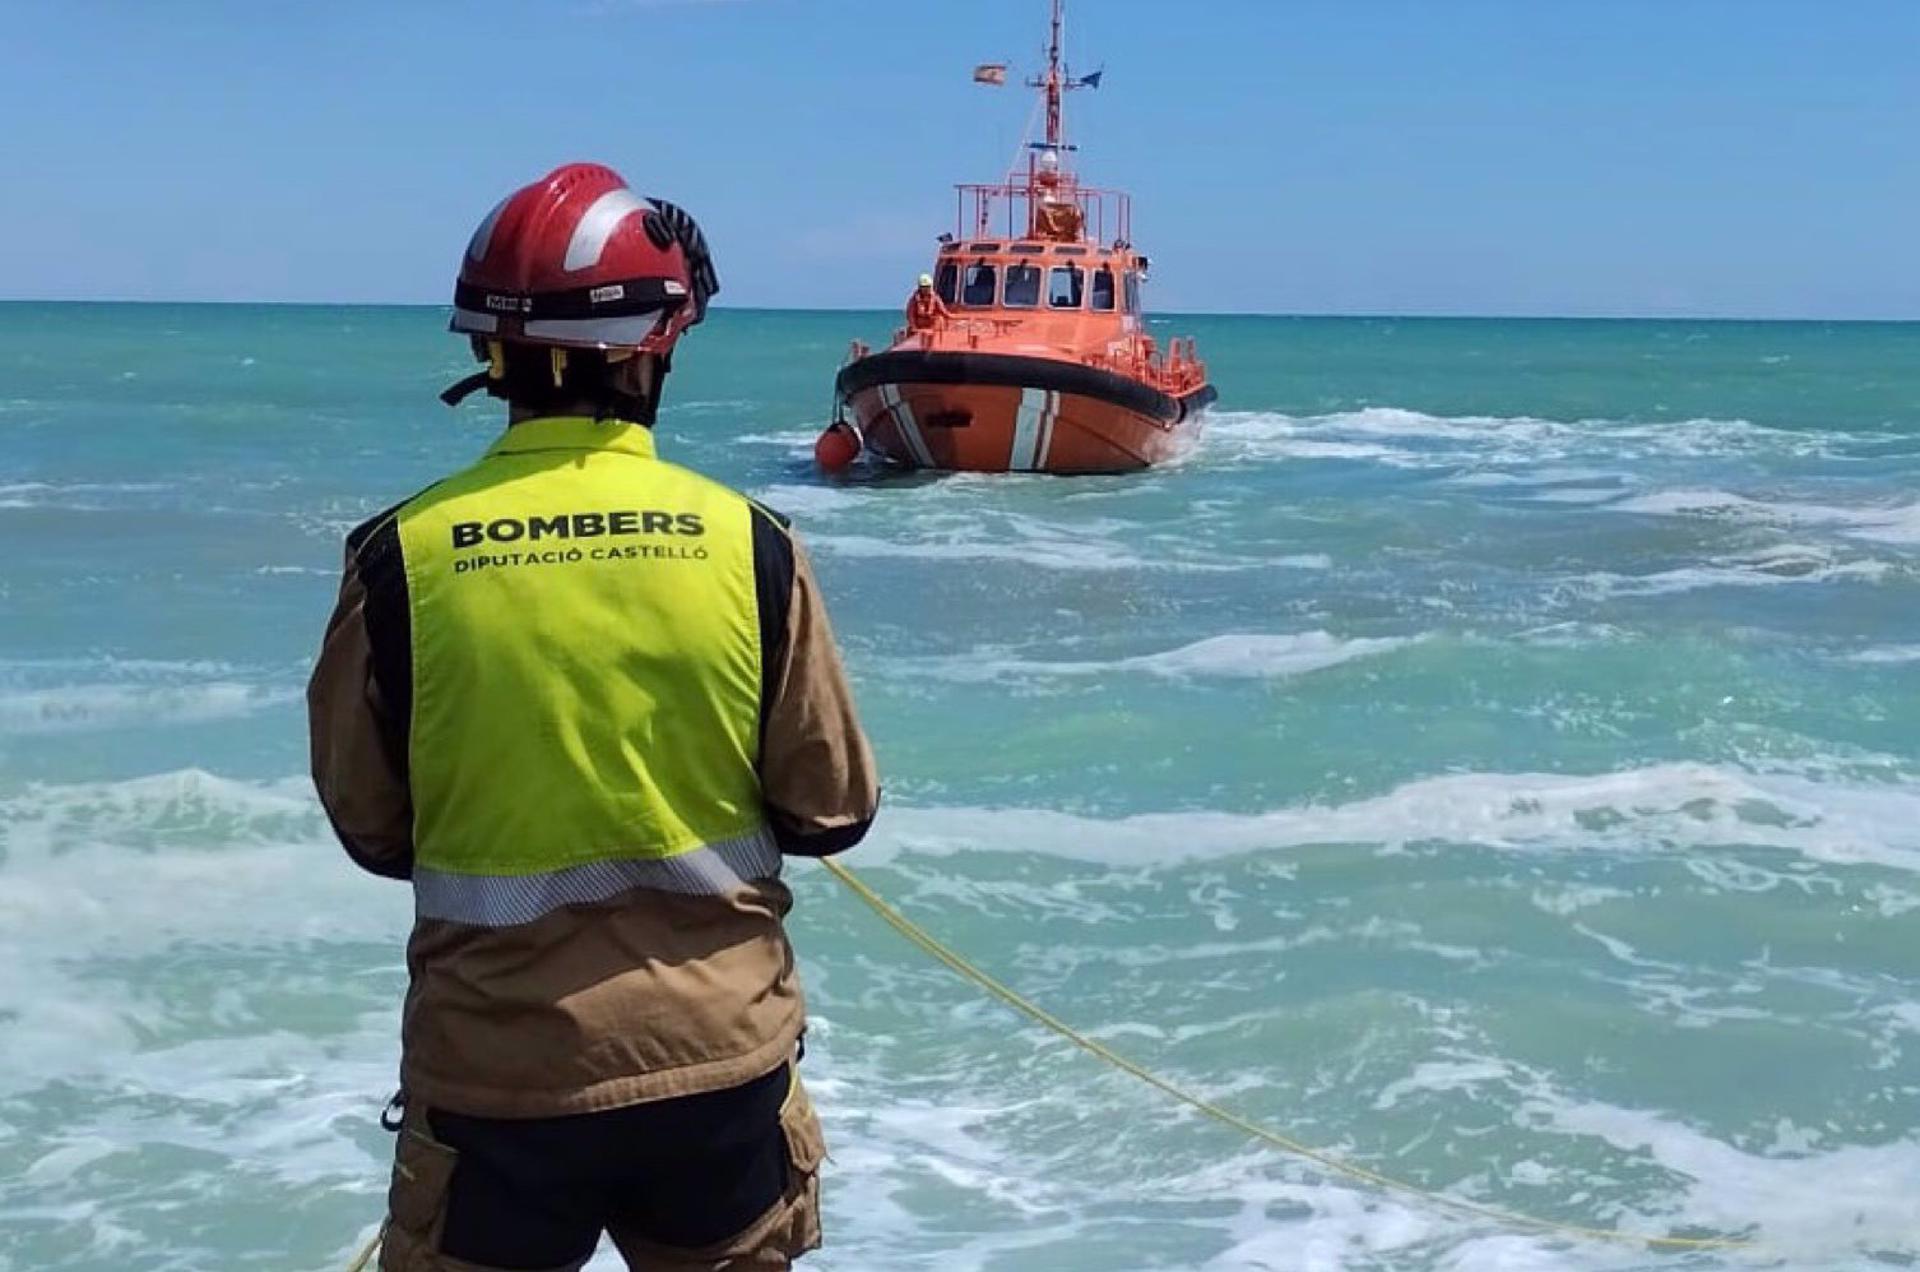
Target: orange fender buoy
(836, 447)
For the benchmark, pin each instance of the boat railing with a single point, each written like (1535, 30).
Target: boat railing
(1177, 370)
(967, 329)
(1066, 212)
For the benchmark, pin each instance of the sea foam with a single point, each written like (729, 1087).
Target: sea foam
(83, 708)
(1655, 810)
(1234, 656)
(1885, 523)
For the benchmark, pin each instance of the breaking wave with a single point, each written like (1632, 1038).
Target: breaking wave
(1887, 654)
(1238, 655)
(1782, 564)
(1649, 811)
(1891, 523)
(1415, 439)
(82, 708)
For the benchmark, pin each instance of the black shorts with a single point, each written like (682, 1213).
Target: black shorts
(724, 1178)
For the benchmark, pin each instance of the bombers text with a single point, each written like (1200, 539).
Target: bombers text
(575, 525)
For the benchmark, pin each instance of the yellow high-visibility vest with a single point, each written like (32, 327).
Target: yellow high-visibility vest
(586, 677)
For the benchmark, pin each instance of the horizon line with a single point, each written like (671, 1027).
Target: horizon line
(1350, 315)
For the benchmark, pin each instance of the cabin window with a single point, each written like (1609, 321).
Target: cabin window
(983, 247)
(1133, 292)
(947, 280)
(1023, 285)
(978, 288)
(1103, 289)
(1027, 249)
(1064, 287)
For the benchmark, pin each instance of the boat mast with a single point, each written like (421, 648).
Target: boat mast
(1053, 82)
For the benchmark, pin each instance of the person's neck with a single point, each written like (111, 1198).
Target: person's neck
(521, 414)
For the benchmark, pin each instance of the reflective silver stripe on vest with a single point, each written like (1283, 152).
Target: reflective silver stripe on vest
(504, 900)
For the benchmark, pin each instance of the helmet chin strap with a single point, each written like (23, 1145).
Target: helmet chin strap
(460, 390)
(495, 355)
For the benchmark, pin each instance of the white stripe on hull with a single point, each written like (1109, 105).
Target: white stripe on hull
(1047, 421)
(1026, 430)
(909, 427)
(1033, 430)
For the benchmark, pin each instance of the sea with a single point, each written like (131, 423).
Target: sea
(1490, 755)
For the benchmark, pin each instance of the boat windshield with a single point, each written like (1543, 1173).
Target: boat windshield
(1133, 292)
(1065, 286)
(947, 281)
(1023, 286)
(979, 285)
(1103, 288)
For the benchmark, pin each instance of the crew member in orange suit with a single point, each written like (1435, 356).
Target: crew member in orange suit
(925, 310)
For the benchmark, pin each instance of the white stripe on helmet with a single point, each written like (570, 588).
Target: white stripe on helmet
(483, 237)
(594, 332)
(597, 226)
(475, 321)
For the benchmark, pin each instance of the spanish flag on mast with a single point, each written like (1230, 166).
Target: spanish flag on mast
(990, 73)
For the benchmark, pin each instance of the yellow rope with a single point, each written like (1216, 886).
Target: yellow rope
(365, 1258)
(940, 953)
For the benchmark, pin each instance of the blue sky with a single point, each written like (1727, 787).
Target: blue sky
(1714, 157)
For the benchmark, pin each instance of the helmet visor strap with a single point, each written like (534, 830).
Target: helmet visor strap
(626, 299)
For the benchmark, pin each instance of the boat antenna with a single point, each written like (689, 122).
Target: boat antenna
(1057, 82)
(1053, 75)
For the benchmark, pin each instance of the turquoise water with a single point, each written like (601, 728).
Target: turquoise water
(1492, 753)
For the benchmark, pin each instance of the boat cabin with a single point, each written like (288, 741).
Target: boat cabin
(1027, 275)
(1040, 245)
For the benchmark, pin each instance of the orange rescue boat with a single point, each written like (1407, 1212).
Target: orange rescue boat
(1036, 356)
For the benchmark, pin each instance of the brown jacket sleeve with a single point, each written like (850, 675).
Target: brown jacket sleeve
(816, 768)
(362, 785)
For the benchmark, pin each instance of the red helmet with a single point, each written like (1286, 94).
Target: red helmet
(578, 260)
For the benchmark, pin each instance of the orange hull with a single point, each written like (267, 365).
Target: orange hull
(947, 413)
